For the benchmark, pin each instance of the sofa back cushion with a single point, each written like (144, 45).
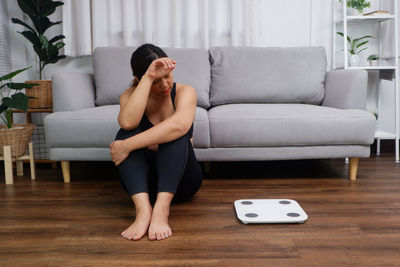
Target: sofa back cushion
(113, 74)
(267, 75)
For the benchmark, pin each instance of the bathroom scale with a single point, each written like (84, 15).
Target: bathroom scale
(269, 211)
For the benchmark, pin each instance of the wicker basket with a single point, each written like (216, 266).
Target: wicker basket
(42, 93)
(18, 137)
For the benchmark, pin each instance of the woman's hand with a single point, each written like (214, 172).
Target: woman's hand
(118, 151)
(160, 67)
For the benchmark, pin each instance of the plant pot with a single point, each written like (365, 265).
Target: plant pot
(18, 137)
(354, 60)
(42, 93)
(351, 11)
(374, 62)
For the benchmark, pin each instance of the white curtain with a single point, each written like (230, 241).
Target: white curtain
(388, 29)
(5, 49)
(167, 23)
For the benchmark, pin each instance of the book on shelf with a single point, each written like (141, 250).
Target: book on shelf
(377, 12)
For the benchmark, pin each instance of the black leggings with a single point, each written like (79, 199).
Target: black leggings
(173, 168)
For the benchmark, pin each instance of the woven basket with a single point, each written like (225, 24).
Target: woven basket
(42, 93)
(18, 137)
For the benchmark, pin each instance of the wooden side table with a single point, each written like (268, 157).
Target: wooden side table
(8, 163)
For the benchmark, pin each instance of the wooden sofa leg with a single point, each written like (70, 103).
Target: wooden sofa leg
(66, 171)
(353, 168)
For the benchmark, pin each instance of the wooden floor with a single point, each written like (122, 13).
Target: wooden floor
(46, 222)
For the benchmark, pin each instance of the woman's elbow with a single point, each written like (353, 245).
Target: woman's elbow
(181, 129)
(127, 125)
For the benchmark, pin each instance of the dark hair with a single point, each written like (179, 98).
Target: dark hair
(142, 58)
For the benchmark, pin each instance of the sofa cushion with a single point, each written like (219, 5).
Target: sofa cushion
(97, 127)
(263, 125)
(267, 75)
(113, 74)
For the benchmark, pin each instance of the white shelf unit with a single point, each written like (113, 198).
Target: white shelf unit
(346, 21)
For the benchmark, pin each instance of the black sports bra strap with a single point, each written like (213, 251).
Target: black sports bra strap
(173, 93)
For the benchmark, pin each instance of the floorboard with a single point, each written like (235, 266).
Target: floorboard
(46, 222)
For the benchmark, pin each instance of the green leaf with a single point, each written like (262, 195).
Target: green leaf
(341, 34)
(362, 50)
(367, 36)
(12, 74)
(55, 60)
(44, 42)
(8, 101)
(20, 101)
(32, 37)
(18, 21)
(27, 7)
(20, 86)
(363, 43)
(59, 45)
(48, 7)
(3, 107)
(56, 38)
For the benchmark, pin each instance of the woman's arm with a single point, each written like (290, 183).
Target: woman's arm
(133, 104)
(172, 128)
(168, 130)
(132, 107)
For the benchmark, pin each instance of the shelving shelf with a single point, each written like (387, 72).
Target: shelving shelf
(370, 68)
(349, 20)
(354, 19)
(384, 135)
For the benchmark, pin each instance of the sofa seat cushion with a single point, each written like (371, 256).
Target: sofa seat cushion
(97, 127)
(93, 127)
(264, 125)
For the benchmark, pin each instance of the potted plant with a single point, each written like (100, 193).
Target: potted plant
(15, 135)
(373, 60)
(356, 48)
(46, 49)
(358, 5)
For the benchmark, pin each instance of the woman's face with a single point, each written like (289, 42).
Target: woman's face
(163, 86)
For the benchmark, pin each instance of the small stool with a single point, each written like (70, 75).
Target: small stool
(8, 160)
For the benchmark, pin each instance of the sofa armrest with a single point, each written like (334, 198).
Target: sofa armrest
(73, 91)
(346, 89)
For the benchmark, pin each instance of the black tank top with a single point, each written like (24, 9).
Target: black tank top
(145, 123)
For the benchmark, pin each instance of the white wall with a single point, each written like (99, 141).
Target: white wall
(284, 23)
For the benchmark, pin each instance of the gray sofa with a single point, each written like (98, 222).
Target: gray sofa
(253, 104)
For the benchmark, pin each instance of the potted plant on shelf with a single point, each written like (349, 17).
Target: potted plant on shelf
(355, 48)
(46, 49)
(15, 135)
(373, 60)
(356, 5)
(375, 113)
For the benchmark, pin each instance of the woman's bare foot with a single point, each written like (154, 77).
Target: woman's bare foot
(159, 228)
(143, 216)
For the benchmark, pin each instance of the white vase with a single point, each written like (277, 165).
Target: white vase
(354, 60)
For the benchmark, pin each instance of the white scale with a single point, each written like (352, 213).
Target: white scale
(269, 211)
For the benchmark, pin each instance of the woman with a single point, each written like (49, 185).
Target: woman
(153, 149)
